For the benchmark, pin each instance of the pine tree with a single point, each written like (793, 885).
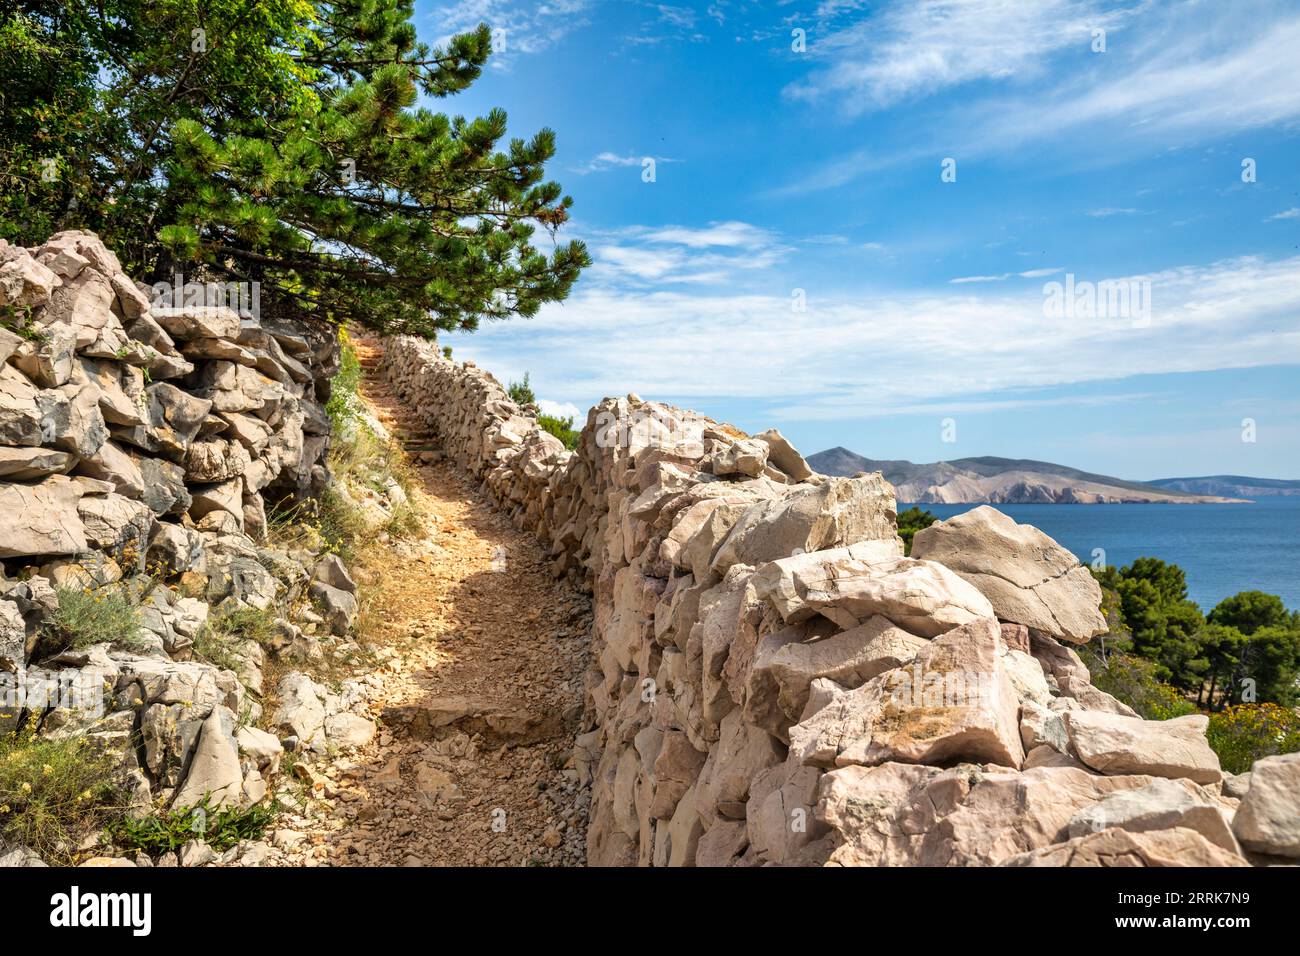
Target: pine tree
(279, 142)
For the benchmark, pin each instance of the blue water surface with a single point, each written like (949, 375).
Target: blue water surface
(1223, 548)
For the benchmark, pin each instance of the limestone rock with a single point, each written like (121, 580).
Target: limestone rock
(214, 769)
(1028, 577)
(1160, 805)
(784, 455)
(923, 598)
(41, 519)
(841, 512)
(1113, 744)
(954, 701)
(1115, 847)
(1268, 820)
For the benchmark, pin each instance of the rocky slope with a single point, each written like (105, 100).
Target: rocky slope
(773, 683)
(139, 448)
(1005, 481)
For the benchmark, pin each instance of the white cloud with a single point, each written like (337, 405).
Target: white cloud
(912, 48)
(853, 356)
(559, 409)
(1107, 211)
(682, 254)
(1292, 213)
(603, 162)
(1019, 73)
(517, 27)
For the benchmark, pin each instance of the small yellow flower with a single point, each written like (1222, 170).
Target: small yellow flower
(4, 809)
(47, 770)
(26, 787)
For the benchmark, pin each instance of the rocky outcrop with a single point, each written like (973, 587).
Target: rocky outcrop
(142, 443)
(1027, 577)
(116, 411)
(775, 684)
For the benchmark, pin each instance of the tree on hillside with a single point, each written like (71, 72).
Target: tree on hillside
(1163, 623)
(910, 522)
(1248, 611)
(278, 142)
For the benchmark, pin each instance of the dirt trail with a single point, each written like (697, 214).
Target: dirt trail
(481, 653)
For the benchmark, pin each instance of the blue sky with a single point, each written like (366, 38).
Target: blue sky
(778, 170)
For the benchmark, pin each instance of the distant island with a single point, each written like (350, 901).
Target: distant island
(1023, 481)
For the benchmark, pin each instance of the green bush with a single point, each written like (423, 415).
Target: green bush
(1244, 733)
(561, 428)
(1133, 681)
(52, 793)
(521, 393)
(169, 830)
(345, 384)
(910, 522)
(95, 615)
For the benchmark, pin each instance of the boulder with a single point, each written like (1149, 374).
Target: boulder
(198, 322)
(849, 658)
(1027, 577)
(214, 770)
(113, 523)
(1116, 847)
(784, 455)
(331, 570)
(840, 512)
(1268, 820)
(912, 815)
(41, 519)
(953, 702)
(32, 464)
(742, 457)
(302, 710)
(923, 598)
(110, 463)
(1160, 805)
(1114, 744)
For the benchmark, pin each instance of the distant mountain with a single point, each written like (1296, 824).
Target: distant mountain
(1233, 485)
(1006, 481)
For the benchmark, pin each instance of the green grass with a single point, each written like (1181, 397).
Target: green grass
(95, 615)
(216, 641)
(53, 793)
(168, 830)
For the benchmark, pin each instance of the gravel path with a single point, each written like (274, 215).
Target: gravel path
(480, 653)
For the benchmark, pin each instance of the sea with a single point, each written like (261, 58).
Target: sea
(1223, 549)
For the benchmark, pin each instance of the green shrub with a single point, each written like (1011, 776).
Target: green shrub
(169, 830)
(1133, 681)
(52, 793)
(910, 522)
(95, 615)
(521, 393)
(344, 385)
(561, 428)
(1244, 733)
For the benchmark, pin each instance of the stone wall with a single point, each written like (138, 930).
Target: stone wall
(140, 446)
(775, 683)
(119, 418)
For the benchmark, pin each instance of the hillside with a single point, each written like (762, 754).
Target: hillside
(1235, 486)
(1007, 481)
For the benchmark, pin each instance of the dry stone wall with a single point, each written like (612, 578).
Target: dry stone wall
(774, 683)
(140, 445)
